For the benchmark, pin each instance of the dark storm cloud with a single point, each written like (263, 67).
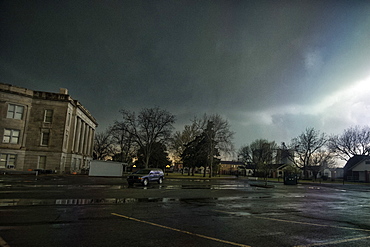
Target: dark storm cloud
(235, 58)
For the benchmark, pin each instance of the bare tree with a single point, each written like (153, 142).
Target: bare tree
(223, 136)
(306, 148)
(198, 153)
(181, 139)
(124, 141)
(263, 151)
(263, 156)
(151, 126)
(320, 160)
(353, 141)
(219, 135)
(245, 154)
(323, 158)
(103, 145)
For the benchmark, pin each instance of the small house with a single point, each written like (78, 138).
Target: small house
(357, 169)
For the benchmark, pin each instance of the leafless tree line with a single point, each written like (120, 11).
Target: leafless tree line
(311, 148)
(154, 126)
(134, 132)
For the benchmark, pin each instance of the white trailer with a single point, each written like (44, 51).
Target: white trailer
(106, 168)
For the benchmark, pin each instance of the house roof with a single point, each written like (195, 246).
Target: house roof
(282, 166)
(354, 161)
(239, 163)
(277, 166)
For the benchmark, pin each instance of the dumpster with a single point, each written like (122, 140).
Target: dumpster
(290, 179)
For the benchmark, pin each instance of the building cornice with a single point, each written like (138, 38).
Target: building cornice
(63, 97)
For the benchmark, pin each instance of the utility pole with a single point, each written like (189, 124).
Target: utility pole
(210, 138)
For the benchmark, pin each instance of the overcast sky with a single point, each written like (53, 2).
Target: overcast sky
(271, 68)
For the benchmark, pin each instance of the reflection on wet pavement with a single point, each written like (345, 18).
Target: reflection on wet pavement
(116, 187)
(28, 202)
(106, 201)
(210, 186)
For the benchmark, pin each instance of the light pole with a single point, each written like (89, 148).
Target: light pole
(210, 136)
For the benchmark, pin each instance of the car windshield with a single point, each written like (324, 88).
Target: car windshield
(144, 171)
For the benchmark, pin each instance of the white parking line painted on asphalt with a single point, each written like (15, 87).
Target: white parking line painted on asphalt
(311, 224)
(178, 230)
(334, 242)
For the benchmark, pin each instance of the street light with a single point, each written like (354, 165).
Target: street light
(167, 167)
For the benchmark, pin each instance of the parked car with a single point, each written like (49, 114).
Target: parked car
(145, 176)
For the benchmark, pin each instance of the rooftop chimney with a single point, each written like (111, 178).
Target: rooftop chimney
(63, 91)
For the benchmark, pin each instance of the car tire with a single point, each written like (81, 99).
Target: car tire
(145, 182)
(160, 180)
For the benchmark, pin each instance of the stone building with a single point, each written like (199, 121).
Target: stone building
(43, 130)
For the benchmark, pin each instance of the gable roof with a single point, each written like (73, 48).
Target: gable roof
(355, 160)
(277, 166)
(232, 163)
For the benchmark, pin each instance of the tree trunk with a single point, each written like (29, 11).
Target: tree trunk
(146, 161)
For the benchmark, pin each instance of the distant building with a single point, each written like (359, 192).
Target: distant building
(277, 170)
(357, 169)
(230, 167)
(46, 131)
(332, 173)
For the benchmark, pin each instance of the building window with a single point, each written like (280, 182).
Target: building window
(48, 116)
(69, 119)
(45, 136)
(66, 140)
(15, 111)
(74, 163)
(7, 161)
(11, 136)
(42, 162)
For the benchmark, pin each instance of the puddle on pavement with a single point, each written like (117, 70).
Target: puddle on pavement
(189, 180)
(211, 187)
(112, 201)
(241, 214)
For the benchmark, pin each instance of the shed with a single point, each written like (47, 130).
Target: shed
(106, 168)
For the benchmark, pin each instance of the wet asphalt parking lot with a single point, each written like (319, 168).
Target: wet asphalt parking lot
(95, 211)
